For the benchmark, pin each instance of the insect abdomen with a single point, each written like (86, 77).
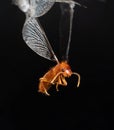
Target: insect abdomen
(45, 81)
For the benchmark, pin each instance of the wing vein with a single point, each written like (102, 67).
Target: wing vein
(35, 38)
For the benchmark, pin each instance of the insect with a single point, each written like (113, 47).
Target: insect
(35, 37)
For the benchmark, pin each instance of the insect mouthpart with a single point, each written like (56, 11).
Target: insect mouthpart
(67, 72)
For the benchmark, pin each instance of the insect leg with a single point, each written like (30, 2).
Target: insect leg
(59, 82)
(44, 80)
(57, 87)
(43, 89)
(64, 83)
(53, 80)
(47, 93)
(78, 78)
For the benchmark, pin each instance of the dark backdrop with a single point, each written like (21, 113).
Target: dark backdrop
(90, 107)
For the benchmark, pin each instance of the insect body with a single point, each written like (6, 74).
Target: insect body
(35, 37)
(56, 76)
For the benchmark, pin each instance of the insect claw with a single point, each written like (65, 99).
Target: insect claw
(47, 93)
(44, 91)
(57, 87)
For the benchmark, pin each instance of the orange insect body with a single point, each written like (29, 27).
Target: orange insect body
(56, 76)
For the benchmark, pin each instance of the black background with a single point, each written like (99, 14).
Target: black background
(90, 107)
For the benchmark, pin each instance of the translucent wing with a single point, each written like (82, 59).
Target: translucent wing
(23, 5)
(34, 8)
(36, 39)
(67, 13)
(66, 21)
(40, 7)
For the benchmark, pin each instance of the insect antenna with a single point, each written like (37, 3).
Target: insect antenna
(78, 78)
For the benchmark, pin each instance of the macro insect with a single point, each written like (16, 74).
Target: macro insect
(35, 37)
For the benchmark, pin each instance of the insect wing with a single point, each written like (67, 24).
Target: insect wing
(36, 39)
(40, 7)
(22, 4)
(65, 29)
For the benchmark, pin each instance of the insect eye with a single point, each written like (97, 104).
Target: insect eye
(63, 70)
